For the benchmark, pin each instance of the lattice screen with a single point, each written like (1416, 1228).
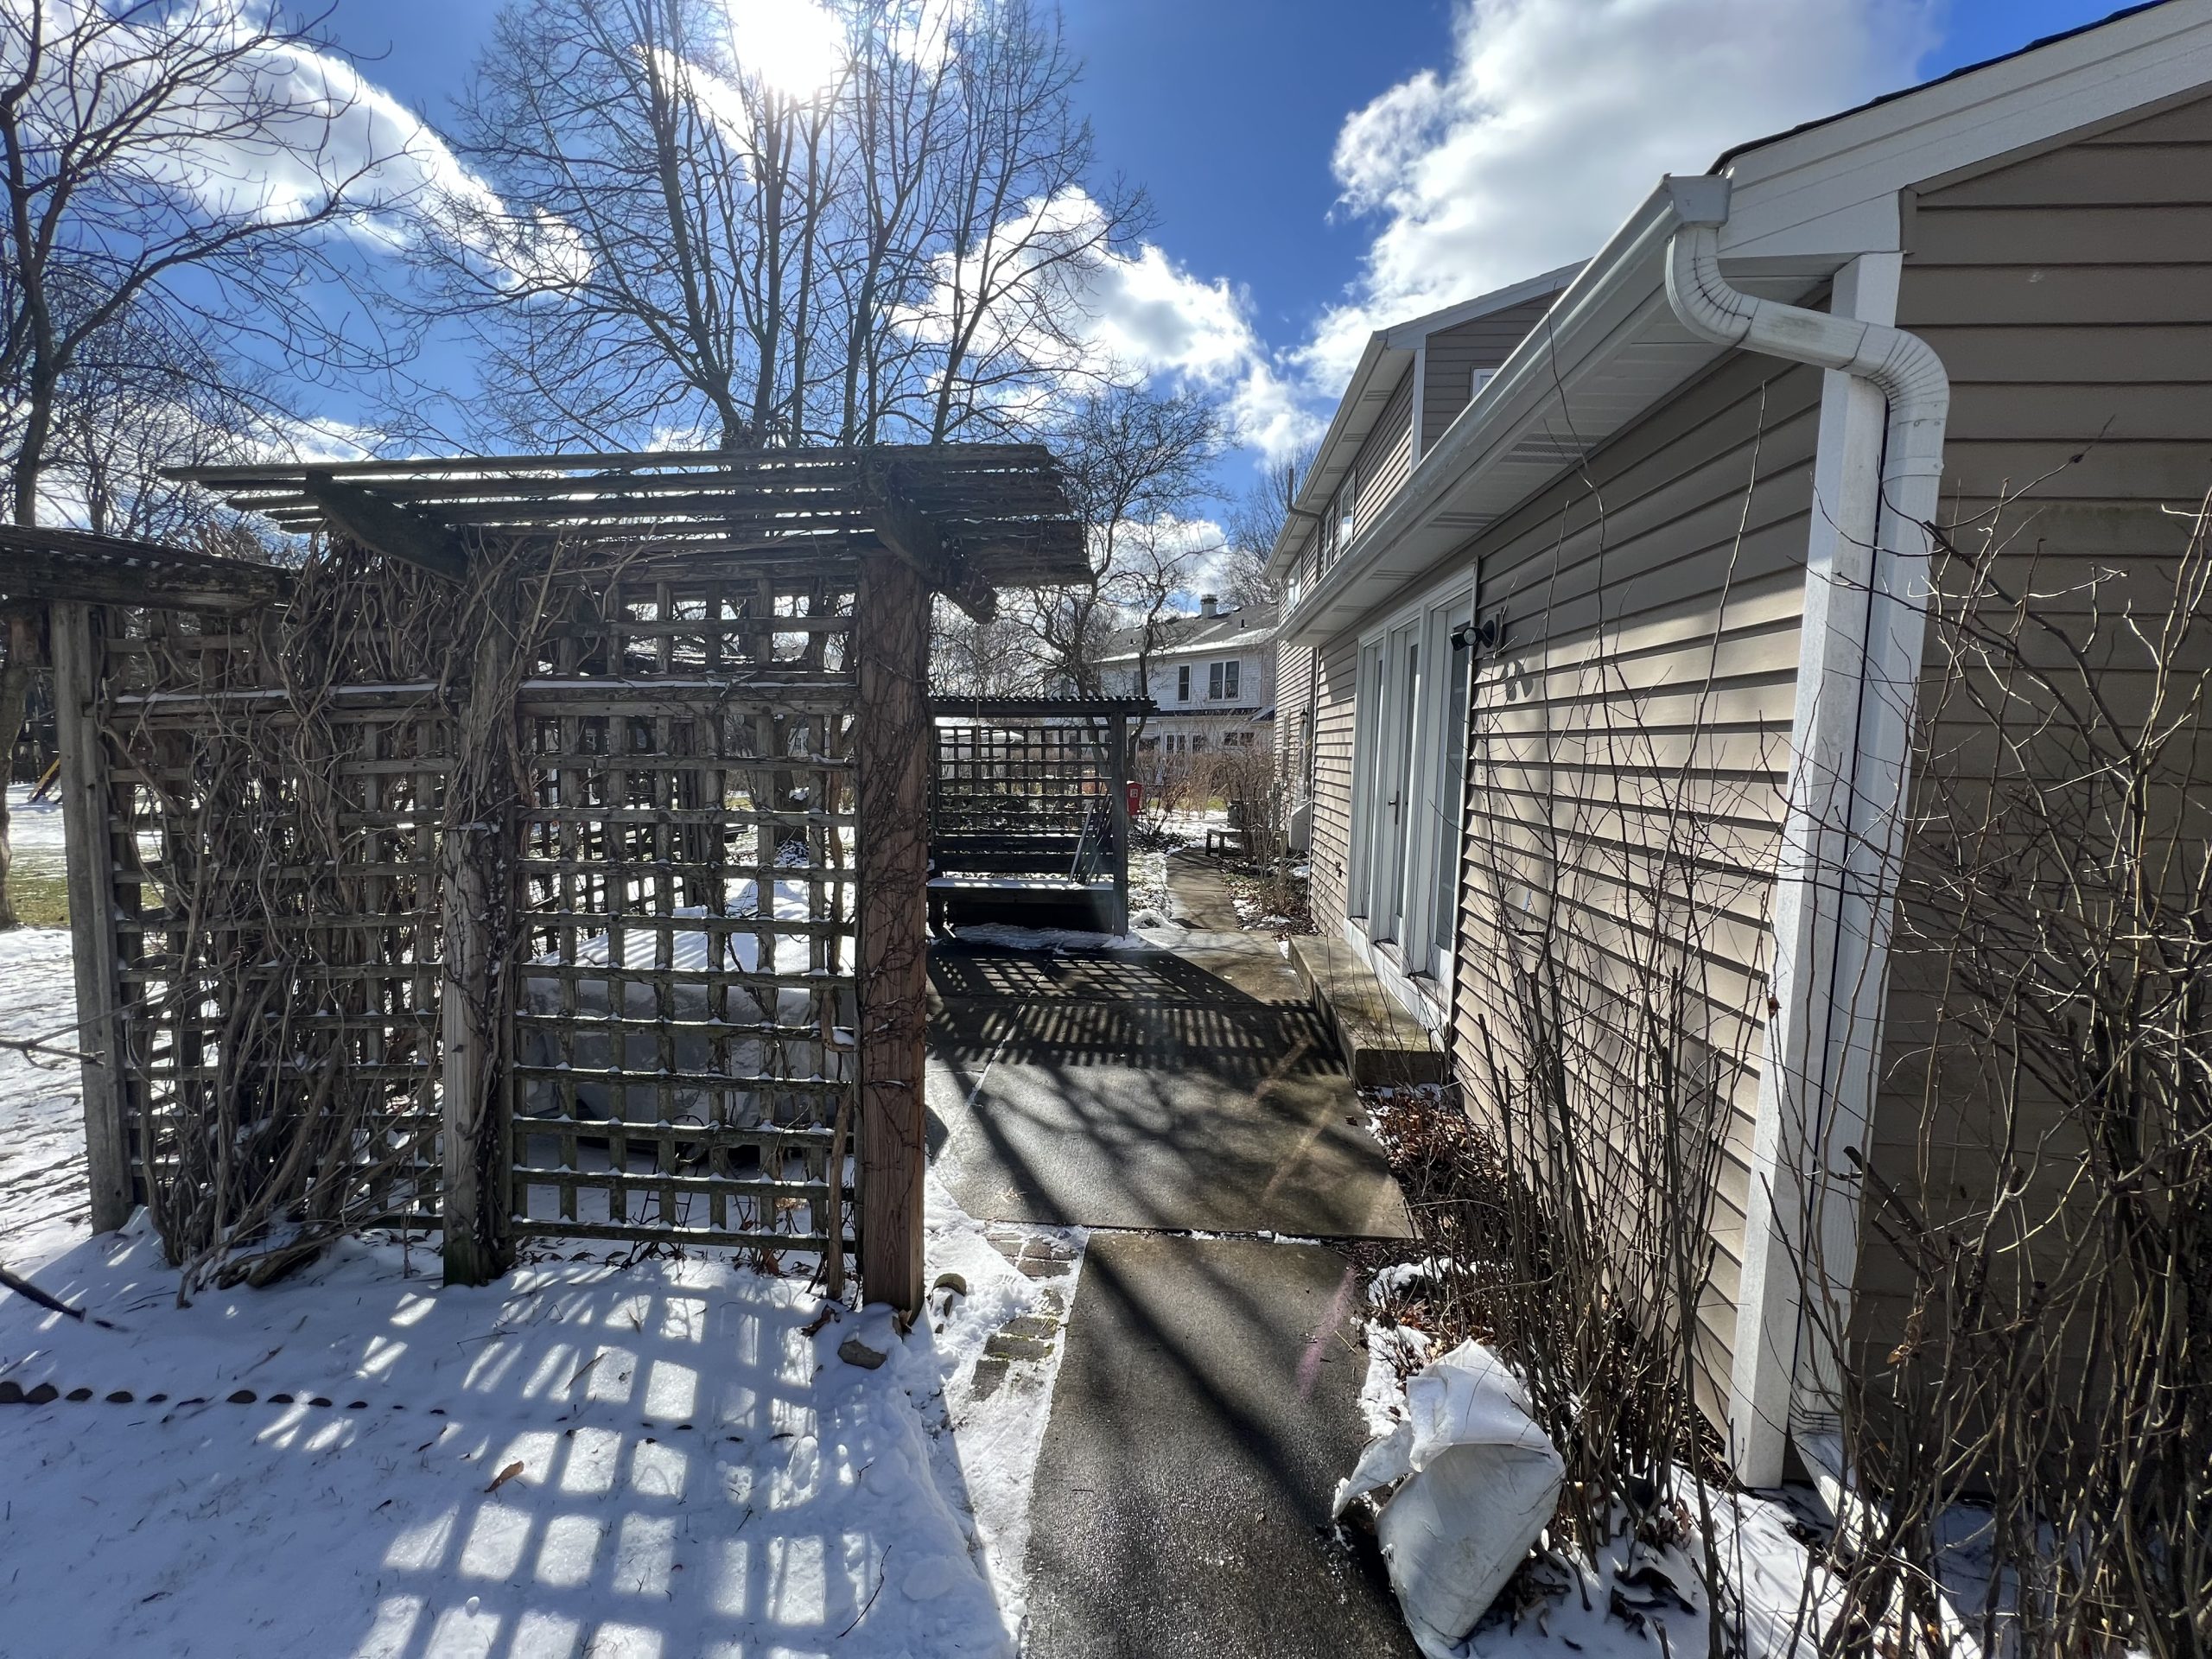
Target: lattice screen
(678, 1053)
(684, 1059)
(275, 925)
(1021, 794)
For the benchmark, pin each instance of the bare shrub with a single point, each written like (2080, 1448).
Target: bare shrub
(2034, 1433)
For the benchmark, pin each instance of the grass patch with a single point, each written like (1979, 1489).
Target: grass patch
(41, 898)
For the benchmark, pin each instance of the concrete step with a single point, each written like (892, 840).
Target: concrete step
(1383, 1044)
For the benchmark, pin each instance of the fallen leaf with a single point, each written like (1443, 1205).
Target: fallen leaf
(504, 1476)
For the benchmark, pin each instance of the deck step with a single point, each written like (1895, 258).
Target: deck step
(1383, 1044)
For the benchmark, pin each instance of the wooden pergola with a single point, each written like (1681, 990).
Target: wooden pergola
(675, 899)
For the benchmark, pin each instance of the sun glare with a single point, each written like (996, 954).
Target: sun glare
(793, 44)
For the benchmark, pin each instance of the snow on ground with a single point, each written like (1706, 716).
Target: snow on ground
(1639, 1599)
(1009, 938)
(34, 831)
(990, 1439)
(1148, 890)
(42, 1193)
(653, 1459)
(37, 877)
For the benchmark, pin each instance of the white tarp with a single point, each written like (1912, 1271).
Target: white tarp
(1475, 1480)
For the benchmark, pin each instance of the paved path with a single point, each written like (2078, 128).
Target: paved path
(1207, 1402)
(1188, 1089)
(1207, 1405)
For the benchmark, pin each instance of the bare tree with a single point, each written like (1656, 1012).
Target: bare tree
(1135, 460)
(892, 241)
(973, 658)
(174, 165)
(1256, 524)
(142, 397)
(1155, 562)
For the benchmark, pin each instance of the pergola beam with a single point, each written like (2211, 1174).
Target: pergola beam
(908, 534)
(385, 527)
(38, 564)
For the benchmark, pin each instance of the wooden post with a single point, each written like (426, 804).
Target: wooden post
(474, 870)
(1120, 825)
(86, 797)
(891, 743)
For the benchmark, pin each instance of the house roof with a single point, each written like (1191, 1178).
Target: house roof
(1805, 203)
(1733, 151)
(1383, 363)
(1244, 627)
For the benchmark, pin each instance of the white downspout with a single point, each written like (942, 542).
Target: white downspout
(1837, 873)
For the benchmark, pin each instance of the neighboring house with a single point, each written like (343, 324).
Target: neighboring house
(1213, 674)
(1533, 528)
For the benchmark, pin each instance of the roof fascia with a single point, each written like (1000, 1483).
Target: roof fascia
(1409, 335)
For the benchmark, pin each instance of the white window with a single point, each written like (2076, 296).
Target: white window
(1213, 682)
(1183, 684)
(1228, 679)
(1347, 505)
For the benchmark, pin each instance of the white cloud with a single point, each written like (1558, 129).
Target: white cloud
(1554, 119)
(257, 129)
(1133, 313)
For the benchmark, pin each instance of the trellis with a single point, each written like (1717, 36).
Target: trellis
(1029, 808)
(546, 859)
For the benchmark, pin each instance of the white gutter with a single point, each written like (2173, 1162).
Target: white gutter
(1601, 303)
(1836, 877)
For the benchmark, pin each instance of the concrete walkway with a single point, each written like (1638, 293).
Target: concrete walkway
(1208, 1400)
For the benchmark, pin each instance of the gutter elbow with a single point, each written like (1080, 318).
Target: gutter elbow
(1702, 300)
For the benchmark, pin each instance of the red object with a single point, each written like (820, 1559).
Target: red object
(1136, 796)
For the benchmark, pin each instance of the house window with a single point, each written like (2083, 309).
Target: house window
(1228, 679)
(1347, 505)
(1197, 746)
(1213, 682)
(1183, 684)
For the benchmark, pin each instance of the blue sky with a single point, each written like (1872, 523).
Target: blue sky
(1332, 165)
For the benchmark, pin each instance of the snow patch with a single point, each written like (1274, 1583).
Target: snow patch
(1007, 937)
(668, 1458)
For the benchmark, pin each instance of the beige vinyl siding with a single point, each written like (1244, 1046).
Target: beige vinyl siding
(1336, 666)
(2069, 295)
(1452, 355)
(1642, 690)
(1386, 458)
(1293, 693)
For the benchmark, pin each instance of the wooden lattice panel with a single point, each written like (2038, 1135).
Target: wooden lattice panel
(275, 919)
(1019, 797)
(684, 1055)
